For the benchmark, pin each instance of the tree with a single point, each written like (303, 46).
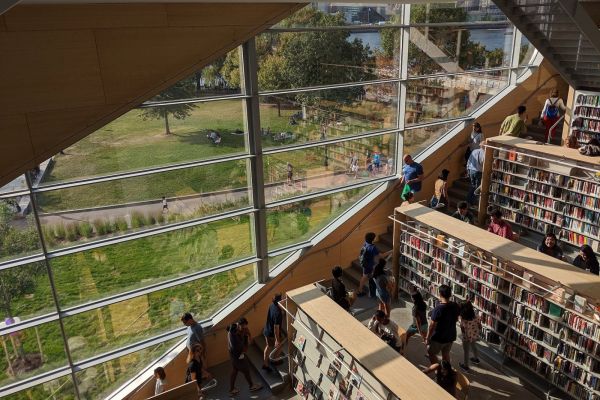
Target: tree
(181, 90)
(14, 282)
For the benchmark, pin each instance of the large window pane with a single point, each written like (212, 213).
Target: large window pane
(138, 140)
(90, 212)
(451, 96)
(130, 321)
(297, 222)
(25, 292)
(219, 78)
(301, 59)
(16, 184)
(18, 232)
(274, 261)
(57, 389)
(30, 352)
(526, 51)
(325, 114)
(417, 140)
(93, 274)
(471, 11)
(297, 172)
(437, 49)
(335, 14)
(100, 381)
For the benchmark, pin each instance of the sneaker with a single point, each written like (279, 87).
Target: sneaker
(475, 360)
(464, 367)
(255, 388)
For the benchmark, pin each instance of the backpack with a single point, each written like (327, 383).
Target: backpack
(552, 110)
(362, 258)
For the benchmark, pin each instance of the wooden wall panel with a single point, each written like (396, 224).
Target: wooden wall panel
(90, 63)
(15, 141)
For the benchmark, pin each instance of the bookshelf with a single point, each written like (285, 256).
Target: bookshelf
(585, 123)
(537, 310)
(333, 354)
(546, 193)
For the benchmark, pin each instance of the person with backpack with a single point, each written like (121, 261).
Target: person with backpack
(551, 111)
(368, 256)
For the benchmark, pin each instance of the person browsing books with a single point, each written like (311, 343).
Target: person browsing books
(550, 246)
(586, 259)
(500, 227)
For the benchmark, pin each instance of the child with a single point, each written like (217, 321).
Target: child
(161, 380)
(470, 326)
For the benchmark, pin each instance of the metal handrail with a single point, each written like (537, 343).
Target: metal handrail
(551, 131)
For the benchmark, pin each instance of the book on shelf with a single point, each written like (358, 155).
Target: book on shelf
(299, 342)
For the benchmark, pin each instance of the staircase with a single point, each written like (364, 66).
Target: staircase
(458, 192)
(564, 32)
(538, 132)
(276, 381)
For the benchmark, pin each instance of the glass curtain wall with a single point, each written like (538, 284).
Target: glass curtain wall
(189, 200)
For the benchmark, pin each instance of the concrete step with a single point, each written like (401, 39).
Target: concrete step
(276, 380)
(353, 273)
(457, 193)
(462, 184)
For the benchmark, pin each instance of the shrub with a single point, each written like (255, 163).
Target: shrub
(48, 233)
(172, 217)
(121, 225)
(100, 227)
(226, 252)
(72, 232)
(302, 223)
(160, 218)
(85, 229)
(150, 220)
(108, 227)
(59, 232)
(137, 220)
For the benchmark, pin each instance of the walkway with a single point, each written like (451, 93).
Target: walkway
(188, 205)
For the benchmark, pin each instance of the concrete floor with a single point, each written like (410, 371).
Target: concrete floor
(487, 382)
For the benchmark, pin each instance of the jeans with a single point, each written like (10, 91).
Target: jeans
(467, 347)
(475, 177)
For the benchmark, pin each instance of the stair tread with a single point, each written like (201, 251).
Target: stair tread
(273, 379)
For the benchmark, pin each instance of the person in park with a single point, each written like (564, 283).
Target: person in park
(383, 286)
(273, 333)
(552, 110)
(475, 172)
(238, 358)
(412, 175)
(462, 213)
(586, 259)
(385, 328)
(165, 205)
(514, 125)
(290, 174)
(442, 327)
(500, 227)
(419, 314)
(440, 191)
(338, 289)
(470, 326)
(195, 337)
(550, 246)
(368, 256)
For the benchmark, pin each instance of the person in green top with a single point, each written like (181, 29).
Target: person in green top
(514, 125)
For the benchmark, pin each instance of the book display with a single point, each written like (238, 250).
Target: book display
(549, 328)
(585, 124)
(547, 194)
(332, 356)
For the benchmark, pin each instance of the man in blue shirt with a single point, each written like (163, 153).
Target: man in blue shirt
(412, 174)
(273, 332)
(195, 336)
(369, 255)
(475, 171)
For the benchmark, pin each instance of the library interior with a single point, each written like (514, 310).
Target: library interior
(276, 199)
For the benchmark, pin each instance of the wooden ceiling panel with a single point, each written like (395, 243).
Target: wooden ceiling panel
(48, 70)
(213, 14)
(94, 16)
(152, 55)
(15, 142)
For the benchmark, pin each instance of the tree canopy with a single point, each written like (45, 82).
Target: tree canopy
(181, 90)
